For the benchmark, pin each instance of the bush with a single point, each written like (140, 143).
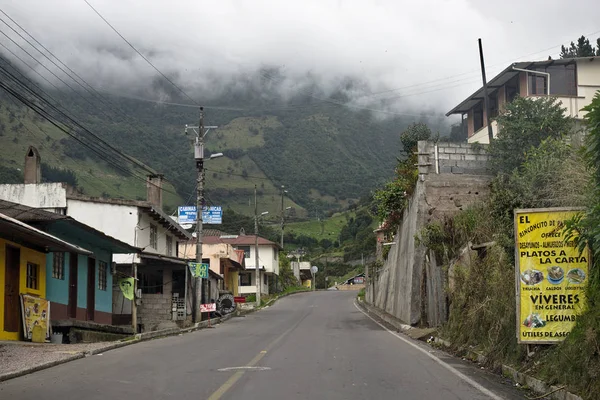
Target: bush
(524, 124)
(482, 308)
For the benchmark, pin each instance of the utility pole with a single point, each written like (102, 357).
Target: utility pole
(256, 267)
(282, 215)
(133, 304)
(486, 101)
(199, 156)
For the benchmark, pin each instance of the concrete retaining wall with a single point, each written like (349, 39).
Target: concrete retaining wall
(356, 287)
(411, 284)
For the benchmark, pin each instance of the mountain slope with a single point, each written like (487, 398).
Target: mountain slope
(327, 156)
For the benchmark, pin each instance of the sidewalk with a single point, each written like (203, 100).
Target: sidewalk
(19, 358)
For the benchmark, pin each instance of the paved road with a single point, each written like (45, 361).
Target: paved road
(306, 346)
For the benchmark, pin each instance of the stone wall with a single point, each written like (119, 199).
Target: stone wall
(411, 284)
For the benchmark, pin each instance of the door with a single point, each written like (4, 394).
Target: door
(72, 307)
(11, 289)
(91, 289)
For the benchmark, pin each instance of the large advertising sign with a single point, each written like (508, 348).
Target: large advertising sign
(551, 274)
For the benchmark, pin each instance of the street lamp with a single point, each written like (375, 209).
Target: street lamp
(283, 213)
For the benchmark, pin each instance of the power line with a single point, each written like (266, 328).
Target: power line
(43, 113)
(128, 158)
(353, 179)
(103, 100)
(60, 112)
(91, 182)
(141, 55)
(266, 77)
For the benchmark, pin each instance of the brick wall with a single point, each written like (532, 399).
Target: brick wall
(453, 158)
(154, 309)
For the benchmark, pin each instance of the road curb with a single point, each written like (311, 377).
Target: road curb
(138, 338)
(539, 386)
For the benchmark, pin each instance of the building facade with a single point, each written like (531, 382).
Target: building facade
(574, 81)
(23, 250)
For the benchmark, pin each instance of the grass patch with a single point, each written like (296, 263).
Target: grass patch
(361, 294)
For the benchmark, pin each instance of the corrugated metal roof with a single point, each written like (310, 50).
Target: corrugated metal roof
(36, 216)
(15, 230)
(505, 76)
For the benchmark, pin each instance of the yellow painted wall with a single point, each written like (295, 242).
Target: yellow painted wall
(235, 282)
(231, 278)
(27, 255)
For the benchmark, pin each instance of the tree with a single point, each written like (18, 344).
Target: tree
(411, 136)
(589, 225)
(458, 133)
(391, 200)
(52, 174)
(286, 275)
(524, 124)
(583, 48)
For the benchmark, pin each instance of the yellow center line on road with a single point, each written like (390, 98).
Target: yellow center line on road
(238, 374)
(235, 377)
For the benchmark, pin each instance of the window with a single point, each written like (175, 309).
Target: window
(478, 117)
(275, 254)
(153, 237)
(102, 267)
(265, 279)
(33, 272)
(537, 84)
(493, 101)
(151, 282)
(563, 81)
(246, 250)
(58, 266)
(245, 280)
(169, 245)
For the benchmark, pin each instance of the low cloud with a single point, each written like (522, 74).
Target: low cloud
(428, 48)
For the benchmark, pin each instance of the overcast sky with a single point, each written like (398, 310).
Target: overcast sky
(386, 43)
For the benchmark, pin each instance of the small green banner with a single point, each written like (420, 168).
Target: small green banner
(199, 270)
(126, 285)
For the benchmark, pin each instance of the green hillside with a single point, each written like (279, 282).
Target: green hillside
(327, 156)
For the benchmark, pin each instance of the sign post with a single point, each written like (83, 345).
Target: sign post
(208, 308)
(550, 275)
(313, 270)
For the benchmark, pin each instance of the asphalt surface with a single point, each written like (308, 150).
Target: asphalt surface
(306, 346)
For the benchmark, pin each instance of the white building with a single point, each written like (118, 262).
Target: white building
(574, 81)
(268, 262)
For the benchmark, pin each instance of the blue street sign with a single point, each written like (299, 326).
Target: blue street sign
(210, 215)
